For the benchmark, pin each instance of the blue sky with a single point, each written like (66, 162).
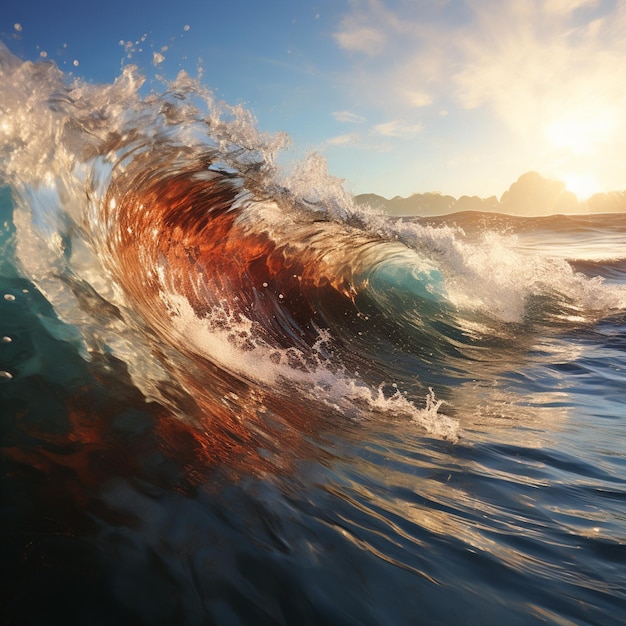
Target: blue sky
(400, 96)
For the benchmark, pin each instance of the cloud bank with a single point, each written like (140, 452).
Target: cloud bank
(550, 69)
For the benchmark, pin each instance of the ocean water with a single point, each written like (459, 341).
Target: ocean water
(228, 395)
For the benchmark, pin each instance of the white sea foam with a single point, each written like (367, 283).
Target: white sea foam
(494, 275)
(231, 342)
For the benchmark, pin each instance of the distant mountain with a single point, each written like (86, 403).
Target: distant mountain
(531, 194)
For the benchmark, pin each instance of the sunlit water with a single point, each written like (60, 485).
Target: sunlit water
(322, 416)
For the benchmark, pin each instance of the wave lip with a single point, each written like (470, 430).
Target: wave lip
(225, 276)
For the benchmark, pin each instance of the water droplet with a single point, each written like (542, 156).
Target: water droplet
(6, 375)
(9, 296)
(6, 339)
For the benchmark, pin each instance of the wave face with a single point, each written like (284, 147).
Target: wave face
(228, 369)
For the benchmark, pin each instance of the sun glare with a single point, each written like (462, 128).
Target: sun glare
(581, 131)
(577, 138)
(572, 135)
(582, 185)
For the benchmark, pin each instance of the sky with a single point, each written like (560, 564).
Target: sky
(399, 96)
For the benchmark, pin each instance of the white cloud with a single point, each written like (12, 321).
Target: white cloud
(565, 7)
(361, 39)
(418, 98)
(368, 28)
(529, 62)
(397, 128)
(348, 116)
(342, 140)
(546, 65)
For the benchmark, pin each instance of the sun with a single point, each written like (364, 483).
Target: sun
(582, 185)
(575, 139)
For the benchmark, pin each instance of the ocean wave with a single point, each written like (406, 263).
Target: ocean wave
(160, 226)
